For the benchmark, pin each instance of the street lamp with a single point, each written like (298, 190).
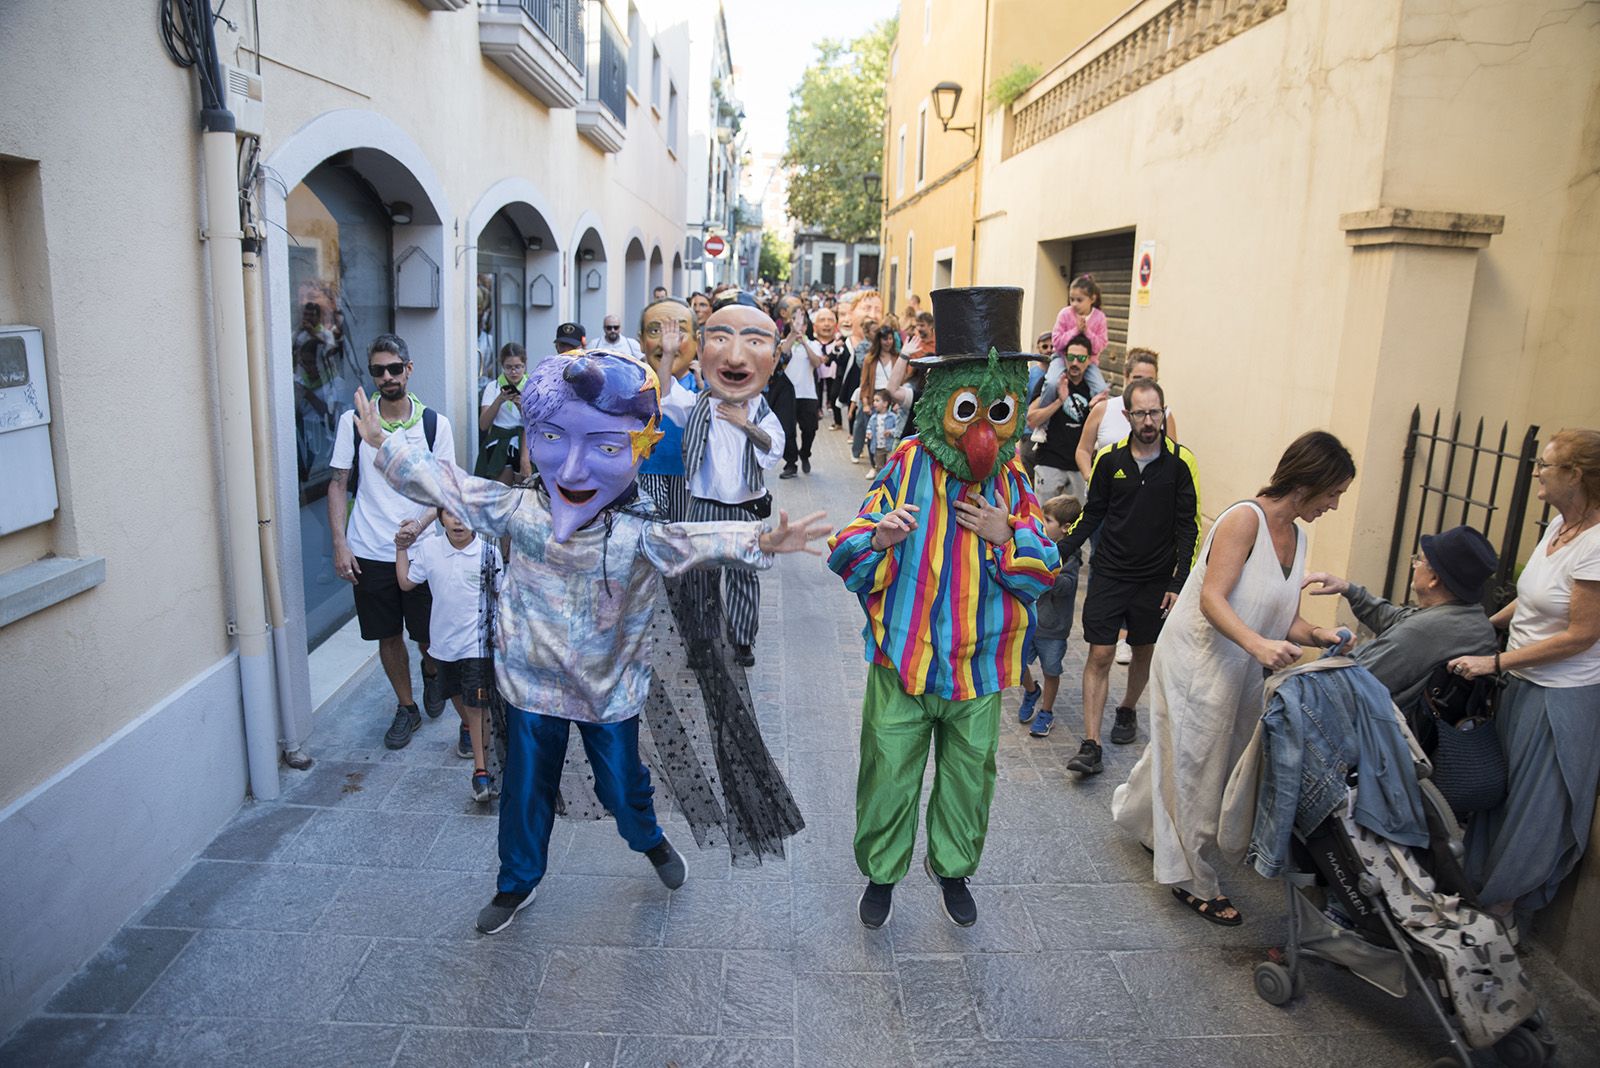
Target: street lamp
(872, 183)
(946, 95)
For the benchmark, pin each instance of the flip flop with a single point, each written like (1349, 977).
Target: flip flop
(1208, 910)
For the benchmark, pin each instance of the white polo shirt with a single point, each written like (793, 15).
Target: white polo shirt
(721, 474)
(378, 508)
(802, 374)
(455, 578)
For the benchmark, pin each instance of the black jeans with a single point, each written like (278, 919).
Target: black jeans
(806, 412)
(830, 388)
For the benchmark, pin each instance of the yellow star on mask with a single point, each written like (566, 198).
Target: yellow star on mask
(644, 441)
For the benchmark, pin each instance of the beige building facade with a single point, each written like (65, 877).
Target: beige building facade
(464, 174)
(1345, 218)
(930, 175)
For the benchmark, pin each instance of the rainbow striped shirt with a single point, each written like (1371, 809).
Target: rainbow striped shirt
(946, 611)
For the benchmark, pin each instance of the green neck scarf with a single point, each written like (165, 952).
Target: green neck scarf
(392, 425)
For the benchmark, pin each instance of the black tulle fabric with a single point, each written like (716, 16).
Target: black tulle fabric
(707, 758)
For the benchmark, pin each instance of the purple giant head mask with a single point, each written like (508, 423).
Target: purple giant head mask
(588, 418)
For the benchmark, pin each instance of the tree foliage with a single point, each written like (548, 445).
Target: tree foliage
(836, 135)
(775, 256)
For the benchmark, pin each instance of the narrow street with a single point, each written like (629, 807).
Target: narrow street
(335, 927)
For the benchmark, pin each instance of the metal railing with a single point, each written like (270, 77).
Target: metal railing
(609, 83)
(1167, 40)
(1452, 492)
(561, 21)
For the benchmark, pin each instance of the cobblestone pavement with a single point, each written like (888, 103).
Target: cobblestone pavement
(335, 926)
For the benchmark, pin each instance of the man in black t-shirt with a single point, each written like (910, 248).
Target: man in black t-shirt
(1059, 410)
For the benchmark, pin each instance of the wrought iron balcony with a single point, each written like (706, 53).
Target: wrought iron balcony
(603, 115)
(539, 43)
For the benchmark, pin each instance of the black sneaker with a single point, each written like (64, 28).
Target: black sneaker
(669, 864)
(1087, 762)
(744, 656)
(789, 472)
(1127, 726)
(407, 720)
(954, 897)
(805, 464)
(497, 915)
(432, 694)
(876, 905)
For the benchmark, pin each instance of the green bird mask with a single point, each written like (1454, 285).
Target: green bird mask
(970, 414)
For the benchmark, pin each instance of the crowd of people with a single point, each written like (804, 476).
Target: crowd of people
(995, 470)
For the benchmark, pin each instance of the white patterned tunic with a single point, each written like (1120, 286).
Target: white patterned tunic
(572, 633)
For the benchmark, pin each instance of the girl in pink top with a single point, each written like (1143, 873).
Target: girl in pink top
(1082, 315)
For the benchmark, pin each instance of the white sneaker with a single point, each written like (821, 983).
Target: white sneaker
(855, 459)
(872, 473)
(1124, 652)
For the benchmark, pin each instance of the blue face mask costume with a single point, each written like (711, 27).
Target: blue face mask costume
(589, 419)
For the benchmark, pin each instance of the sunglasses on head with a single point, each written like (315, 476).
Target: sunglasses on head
(393, 370)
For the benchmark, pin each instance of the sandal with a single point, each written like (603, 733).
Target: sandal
(1209, 910)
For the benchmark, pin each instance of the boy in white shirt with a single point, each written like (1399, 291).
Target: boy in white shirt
(463, 572)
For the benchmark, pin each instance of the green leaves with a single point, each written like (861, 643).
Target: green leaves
(836, 117)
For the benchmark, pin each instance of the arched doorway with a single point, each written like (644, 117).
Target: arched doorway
(657, 271)
(635, 285)
(589, 290)
(677, 274)
(354, 271)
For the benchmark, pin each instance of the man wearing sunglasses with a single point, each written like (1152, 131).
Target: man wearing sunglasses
(364, 533)
(1144, 498)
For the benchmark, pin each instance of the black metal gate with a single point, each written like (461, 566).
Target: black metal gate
(1463, 483)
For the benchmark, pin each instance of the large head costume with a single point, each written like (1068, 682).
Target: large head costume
(970, 412)
(589, 418)
(738, 349)
(656, 316)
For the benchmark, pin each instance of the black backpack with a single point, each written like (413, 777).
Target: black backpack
(430, 428)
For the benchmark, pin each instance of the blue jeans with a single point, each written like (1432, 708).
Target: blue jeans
(536, 747)
(858, 432)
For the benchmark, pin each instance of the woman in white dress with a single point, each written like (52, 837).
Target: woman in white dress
(1237, 618)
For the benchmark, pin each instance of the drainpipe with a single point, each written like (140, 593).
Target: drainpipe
(224, 247)
(294, 728)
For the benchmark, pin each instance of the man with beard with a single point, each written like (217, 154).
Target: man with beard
(1144, 498)
(730, 438)
(364, 551)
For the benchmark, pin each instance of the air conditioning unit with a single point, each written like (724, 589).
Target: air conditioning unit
(245, 101)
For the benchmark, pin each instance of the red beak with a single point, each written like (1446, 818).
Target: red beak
(981, 448)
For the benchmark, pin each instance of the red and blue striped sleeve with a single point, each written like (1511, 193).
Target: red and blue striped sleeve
(1027, 565)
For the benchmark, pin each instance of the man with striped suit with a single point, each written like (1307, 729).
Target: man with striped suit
(947, 555)
(730, 437)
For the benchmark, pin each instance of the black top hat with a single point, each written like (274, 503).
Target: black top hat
(1463, 559)
(971, 320)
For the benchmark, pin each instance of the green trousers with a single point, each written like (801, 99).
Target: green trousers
(895, 730)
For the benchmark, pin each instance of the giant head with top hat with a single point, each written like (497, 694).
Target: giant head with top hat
(970, 413)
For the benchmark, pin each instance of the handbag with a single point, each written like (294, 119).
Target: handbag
(1454, 723)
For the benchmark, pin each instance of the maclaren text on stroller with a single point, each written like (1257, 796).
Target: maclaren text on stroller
(1332, 795)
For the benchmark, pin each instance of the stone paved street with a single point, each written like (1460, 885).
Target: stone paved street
(335, 926)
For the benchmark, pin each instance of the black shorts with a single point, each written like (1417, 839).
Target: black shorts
(1112, 604)
(381, 605)
(472, 680)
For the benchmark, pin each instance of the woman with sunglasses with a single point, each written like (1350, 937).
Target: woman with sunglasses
(1549, 714)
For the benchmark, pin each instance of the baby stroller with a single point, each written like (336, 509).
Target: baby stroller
(1400, 917)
